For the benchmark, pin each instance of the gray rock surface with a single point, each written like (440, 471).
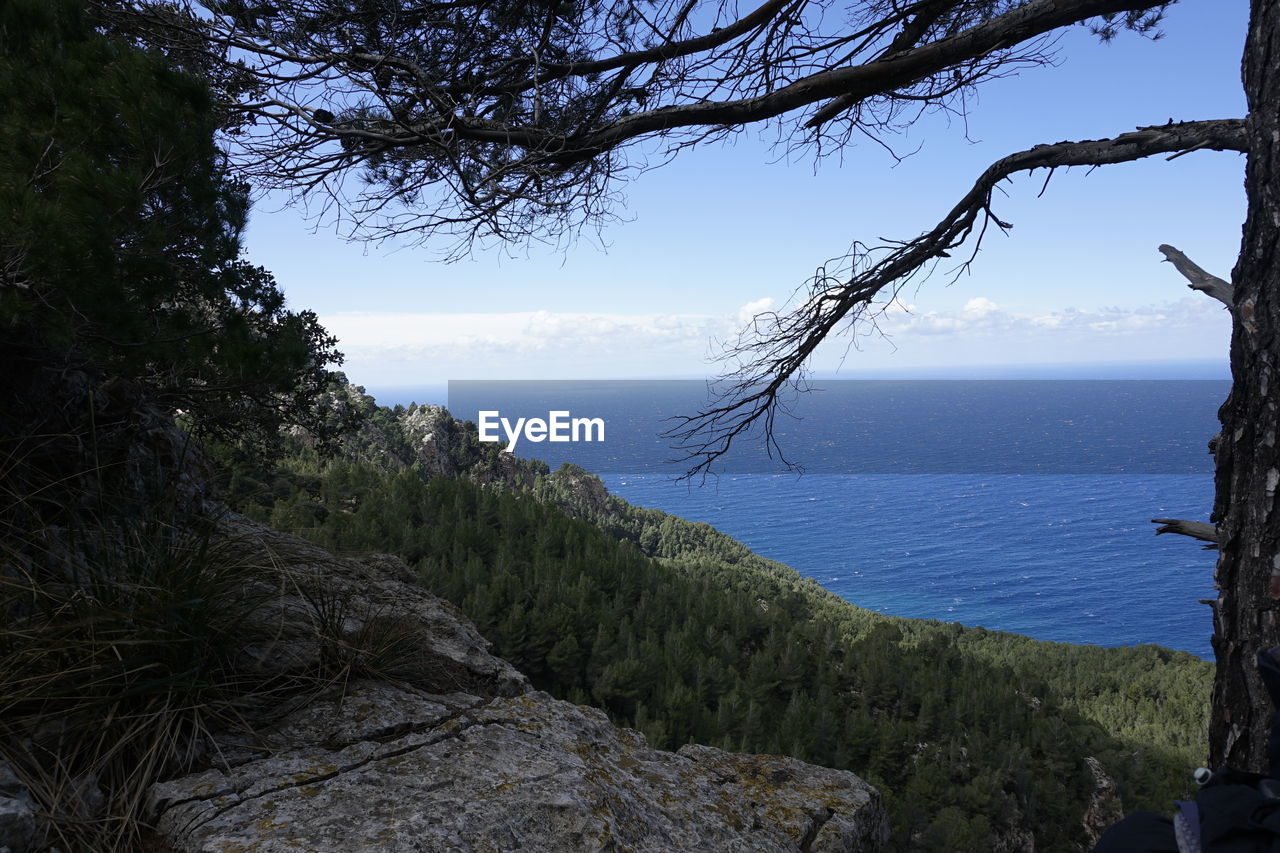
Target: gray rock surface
(470, 758)
(19, 824)
(391, 769)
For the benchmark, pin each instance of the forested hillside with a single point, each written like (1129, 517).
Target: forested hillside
(977, 738)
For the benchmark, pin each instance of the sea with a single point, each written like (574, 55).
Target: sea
(1016, 505)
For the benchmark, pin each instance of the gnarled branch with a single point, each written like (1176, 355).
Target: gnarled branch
(856, 83)
(1200, 530)
(1199, 279)
(772, 353)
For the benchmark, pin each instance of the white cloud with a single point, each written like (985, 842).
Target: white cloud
(513, 331)
(979, 306)
(897, 306)
(982, 316)
(748, 312)
(385, 348)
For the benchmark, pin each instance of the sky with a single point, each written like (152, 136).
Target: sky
(728, 230)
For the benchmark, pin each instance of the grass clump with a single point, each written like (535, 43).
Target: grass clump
(357, 640)
(118, 653)
(127, 641)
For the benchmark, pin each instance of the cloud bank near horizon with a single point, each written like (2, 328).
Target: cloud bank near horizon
(389, 348)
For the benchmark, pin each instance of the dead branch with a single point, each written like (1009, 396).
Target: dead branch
(1199, 279)
(1200, 530)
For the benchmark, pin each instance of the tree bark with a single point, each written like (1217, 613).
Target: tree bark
(1248, 464)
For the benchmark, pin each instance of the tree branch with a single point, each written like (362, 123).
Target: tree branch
(671, 50)
(515, 119)
(1200, 530)
(773, 352)
(1199, 279)
(893, 69)
(856, 83)
(912, 32)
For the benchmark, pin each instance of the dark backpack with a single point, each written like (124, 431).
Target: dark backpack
(1233, 812)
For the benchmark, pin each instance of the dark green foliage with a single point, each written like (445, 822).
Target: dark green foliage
(974, 736)
(122, 298)
(121, 229)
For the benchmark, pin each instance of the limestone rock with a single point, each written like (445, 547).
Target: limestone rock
(390, 769)
(313, 604)
(454, 751)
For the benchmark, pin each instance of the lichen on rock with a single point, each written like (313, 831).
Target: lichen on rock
(525, 772)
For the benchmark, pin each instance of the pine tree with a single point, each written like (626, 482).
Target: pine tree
(121, 231)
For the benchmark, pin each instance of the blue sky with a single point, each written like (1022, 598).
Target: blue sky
(728, 230)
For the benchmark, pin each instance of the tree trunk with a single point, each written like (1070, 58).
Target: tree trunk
(1248, 463)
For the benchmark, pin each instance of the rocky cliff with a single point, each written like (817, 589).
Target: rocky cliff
(437, 745)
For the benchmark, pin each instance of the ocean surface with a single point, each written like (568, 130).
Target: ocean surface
(1020, 506)
(1071, 557)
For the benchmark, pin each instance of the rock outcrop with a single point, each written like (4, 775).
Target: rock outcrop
(388, 768)
(1104, 807)
(314, 611)
(466, 756)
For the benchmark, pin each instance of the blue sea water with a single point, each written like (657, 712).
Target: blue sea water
(1071, 558)
(1021, 506)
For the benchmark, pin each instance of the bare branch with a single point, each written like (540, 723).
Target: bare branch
(671, 50)
(1195, 529)
(1199, 279)
(772, 353)
(859, 82)
(926, 15)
